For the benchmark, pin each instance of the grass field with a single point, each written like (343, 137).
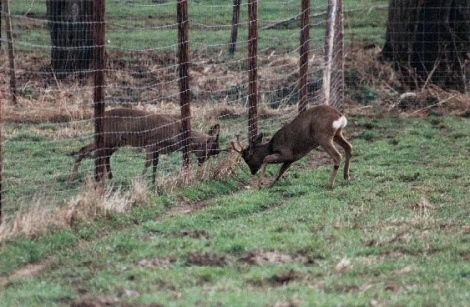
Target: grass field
(140, 24)
(397, 234)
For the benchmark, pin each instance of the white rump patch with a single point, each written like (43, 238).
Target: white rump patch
(340, 122)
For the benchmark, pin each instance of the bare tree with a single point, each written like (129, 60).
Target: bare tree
(70, 28)
(428, 41)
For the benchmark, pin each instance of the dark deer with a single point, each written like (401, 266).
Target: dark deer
(319, 126)
(157, 134)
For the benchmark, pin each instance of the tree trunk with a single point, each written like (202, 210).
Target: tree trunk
(428, 42)
(71, 36)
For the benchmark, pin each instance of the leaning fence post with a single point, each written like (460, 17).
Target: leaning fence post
(11, 53)
(235, 21)
(98, 95)
(304, 48)
(185, 94)
(252, 70)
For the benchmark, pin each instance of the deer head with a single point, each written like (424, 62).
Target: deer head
(205, 146)
(253, 154)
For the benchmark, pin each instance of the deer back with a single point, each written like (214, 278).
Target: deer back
(139, 128)
(307, 130)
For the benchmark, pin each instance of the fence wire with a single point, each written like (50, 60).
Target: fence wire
(52, 118)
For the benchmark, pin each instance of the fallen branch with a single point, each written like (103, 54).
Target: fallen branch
(434, 105)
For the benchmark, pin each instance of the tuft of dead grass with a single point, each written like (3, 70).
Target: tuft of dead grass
(366, 71)
(226, 167)
(90, 203)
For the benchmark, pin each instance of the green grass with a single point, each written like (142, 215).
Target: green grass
(402, 222)
(143, 25)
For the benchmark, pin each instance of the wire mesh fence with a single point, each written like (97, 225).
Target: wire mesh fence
(52, 122)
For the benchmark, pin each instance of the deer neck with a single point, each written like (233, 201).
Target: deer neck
(265, 149)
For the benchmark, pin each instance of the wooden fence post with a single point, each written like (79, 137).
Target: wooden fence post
(185, 93)
(235, 21)
(98, 95)
(304, 48)
(11, 52)
(252, 70)
(329, 44)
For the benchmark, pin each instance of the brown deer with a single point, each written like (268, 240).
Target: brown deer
(156, 133)
(318, 126)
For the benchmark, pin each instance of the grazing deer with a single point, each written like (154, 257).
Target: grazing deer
(319, 126)
(158, 134)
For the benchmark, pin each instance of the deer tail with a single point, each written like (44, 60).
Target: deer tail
(340, 123)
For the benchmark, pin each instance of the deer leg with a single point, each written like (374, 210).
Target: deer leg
(283, 157)
(84, 152)
(282, 170)
(339, 138)
(333, 152)
(148, 160)
(107, 162)
(155, 163)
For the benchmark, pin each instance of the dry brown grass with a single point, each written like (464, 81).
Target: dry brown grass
(91, 202)
(368, 70)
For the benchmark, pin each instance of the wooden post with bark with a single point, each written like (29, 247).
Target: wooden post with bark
(252, 70)
(11, 52)
(185, 93)
(70, 29)
(235, 20)
(429, 42)
(99, 83)
(337, 72)
(328, 54)
(1, 14)
(304, 49)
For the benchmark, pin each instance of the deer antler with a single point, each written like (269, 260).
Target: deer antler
(234, 145)
(228, 149)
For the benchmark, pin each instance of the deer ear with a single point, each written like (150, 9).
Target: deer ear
(214, 130)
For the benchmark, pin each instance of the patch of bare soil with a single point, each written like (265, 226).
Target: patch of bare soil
(195, 234)
(292, 302)
(279, 279)
(284, 278)
(207, 259)
(260, 257)
(104, 302)
(396, 238)
(156, 263)
(185, 208)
